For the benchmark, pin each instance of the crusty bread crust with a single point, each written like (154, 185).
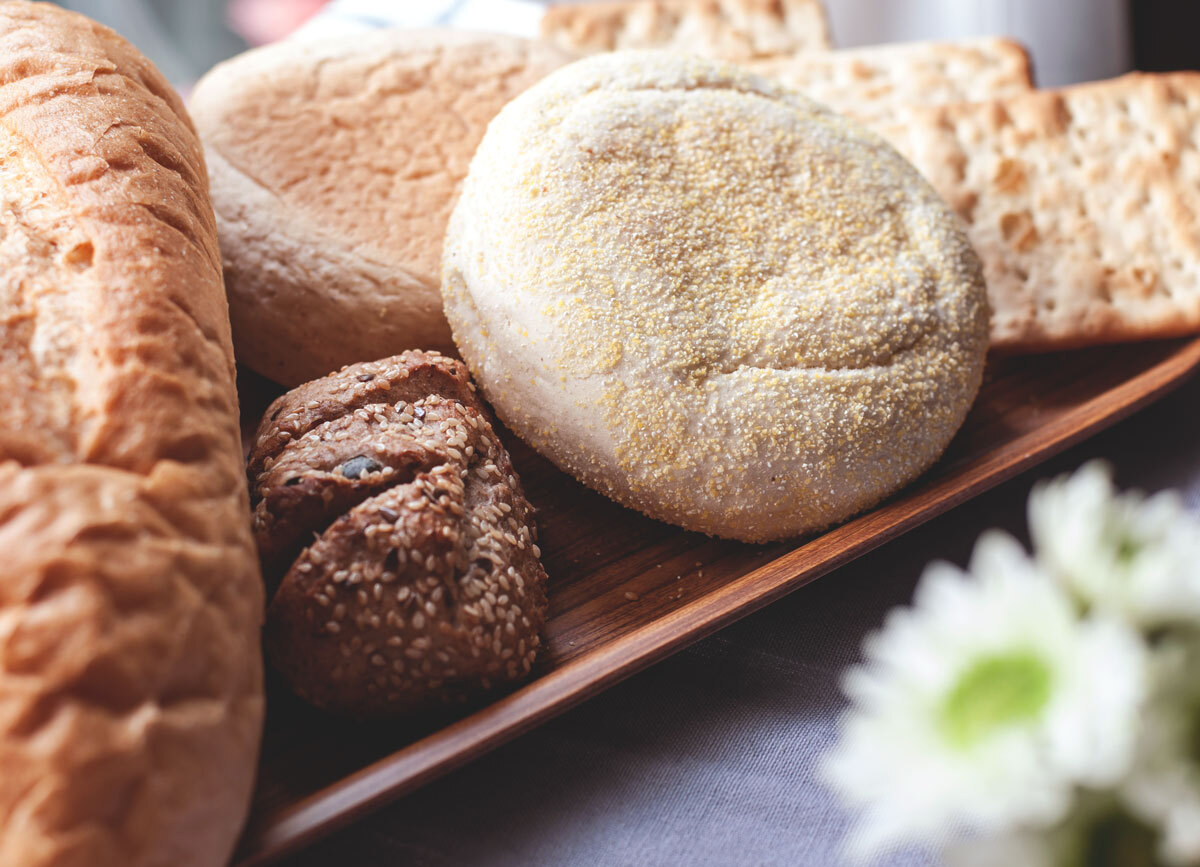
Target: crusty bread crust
(723, 29)
(130, 673)
(1081, 202)
(334, 167)
(870, 84)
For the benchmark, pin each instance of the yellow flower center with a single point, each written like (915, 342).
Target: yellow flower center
(995, 692)
(1127, 549)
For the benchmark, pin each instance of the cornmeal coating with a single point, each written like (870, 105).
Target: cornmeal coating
(710, 298)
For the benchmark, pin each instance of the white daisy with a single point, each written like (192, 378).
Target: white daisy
(984, 705)
(1164, 786)
(1134, 556)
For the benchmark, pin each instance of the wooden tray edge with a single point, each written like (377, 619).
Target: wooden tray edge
(277, 835)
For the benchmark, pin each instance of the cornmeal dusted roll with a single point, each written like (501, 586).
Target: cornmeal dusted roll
(710, 298)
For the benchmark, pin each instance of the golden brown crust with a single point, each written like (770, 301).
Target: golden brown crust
(422, 584)
(130, 682)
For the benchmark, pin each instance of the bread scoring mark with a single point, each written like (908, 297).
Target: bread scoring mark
(42, 318)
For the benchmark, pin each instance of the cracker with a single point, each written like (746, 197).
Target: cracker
(869, 83)
(1081, 202)
(724, 29)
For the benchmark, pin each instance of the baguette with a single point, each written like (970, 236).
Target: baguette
(1081, 202)
(130, 600)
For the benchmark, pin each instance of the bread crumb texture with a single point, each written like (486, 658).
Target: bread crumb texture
(130, 600)
(710, 298)
(390, 515)
(1082, 203)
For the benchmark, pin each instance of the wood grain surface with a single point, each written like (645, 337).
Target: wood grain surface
(626, 591)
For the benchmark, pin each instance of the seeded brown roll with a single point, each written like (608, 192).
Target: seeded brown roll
(422, 585)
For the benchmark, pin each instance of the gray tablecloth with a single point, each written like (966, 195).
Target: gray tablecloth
(710, 757)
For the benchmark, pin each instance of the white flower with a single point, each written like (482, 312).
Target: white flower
(1164, 787)
(1132, 556)
(984, 705)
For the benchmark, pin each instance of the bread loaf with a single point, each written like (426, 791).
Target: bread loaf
(1081, 202)
(334, 168)
(130, 600)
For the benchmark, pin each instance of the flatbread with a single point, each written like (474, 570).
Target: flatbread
(1082, 204)
(869, 83)
(722, 29)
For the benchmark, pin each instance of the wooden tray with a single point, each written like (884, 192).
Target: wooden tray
(626, 591)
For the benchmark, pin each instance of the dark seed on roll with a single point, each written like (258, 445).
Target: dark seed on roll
(358, 465)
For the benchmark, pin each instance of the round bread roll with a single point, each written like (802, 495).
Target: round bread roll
(334, 167)
(710, 298)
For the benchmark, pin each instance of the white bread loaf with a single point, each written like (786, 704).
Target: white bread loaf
(334, 167)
